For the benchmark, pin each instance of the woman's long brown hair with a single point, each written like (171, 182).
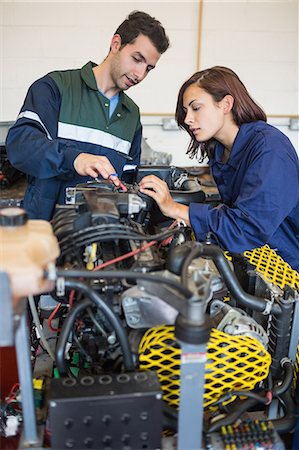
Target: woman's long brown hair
(218, 82)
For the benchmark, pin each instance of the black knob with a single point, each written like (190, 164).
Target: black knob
(70, 443)
(88, 442)
(125, 418)
(68, 423)
(107, 440)
(144, 436)
(106, 419)
(13, 217)
(87, 420)
(126, 439)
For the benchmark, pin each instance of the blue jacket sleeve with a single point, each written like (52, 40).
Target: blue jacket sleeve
(268, 192)
(135, 151)
(32, 144)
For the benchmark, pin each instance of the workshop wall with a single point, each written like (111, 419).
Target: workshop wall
(259, 40)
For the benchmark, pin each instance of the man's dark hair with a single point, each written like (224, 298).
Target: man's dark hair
(139, 22)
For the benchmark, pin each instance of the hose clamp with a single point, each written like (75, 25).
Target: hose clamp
(269, 304)
(60, 287)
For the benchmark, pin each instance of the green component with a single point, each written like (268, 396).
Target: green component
(74, 370)
(38, 398)
(75, 358)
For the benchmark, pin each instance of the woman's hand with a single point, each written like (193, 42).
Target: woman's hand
(157, 189)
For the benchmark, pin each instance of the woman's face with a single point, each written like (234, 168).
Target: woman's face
(204, 116)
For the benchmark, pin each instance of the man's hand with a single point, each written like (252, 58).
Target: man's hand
(93, 165)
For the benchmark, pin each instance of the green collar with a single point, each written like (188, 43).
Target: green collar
(89, 78)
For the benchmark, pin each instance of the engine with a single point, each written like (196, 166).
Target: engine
(141, 309)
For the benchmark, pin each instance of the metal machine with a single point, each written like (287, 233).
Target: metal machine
(161, 341)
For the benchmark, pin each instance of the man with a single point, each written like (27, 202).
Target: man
(77, 124)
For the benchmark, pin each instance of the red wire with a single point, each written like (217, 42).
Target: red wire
(51, 317)
(71, 298)
(121, 258)
(134, 252)
(125, 256)
(13, 393)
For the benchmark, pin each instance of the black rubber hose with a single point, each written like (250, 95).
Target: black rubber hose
(170, 418)
(287, 380)
(230, 279)
(230, 418)
(287, 423)
(260, 397)
(170, 411)
(64, 335)
(124, 274)
(283, 424)
(112, 318)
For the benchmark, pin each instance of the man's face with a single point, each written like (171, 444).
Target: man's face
(131, 63)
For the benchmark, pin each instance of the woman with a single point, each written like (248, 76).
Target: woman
(254, 165)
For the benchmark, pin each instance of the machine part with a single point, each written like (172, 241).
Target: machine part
(143, 310)
(201, 268)
(12, 426)
(193, 338)
(264, 273)
(236, 322)
(280, 330)
(18, 236)
(246, 435)
(150, 156)
(110, 315)
(9, 175)
(244, 299)
(185, 183)
(30, 436)
(25, 263)
(6, 316)
(233, 362)
(115, 411)
(269, 264)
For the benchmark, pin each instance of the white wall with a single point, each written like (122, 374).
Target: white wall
(37, 37)
(257, 39)
(176, 142)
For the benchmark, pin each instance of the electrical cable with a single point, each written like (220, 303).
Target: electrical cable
(138, 250)
(39, 327)
(281, 424)
(82, 349)
(109, 232)
(96, 323)
(51, 317)
(112, 318)
(64, 335)
(125, 256)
